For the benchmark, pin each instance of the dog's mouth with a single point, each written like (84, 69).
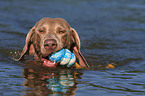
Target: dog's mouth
(46, 61)
(48, 53)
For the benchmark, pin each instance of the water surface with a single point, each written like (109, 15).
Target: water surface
(110, 32)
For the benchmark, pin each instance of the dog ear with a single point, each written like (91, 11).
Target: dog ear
(76, 48)
(28, 46)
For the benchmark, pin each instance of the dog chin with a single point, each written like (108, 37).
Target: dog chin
(46, 54)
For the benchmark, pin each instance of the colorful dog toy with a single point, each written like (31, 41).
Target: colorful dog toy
(63, 57)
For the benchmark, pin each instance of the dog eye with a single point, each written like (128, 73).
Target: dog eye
(62, 31)
(41, 30)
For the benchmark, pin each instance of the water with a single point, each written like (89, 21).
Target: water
(111, 31)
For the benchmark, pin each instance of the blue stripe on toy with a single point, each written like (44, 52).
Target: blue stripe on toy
(56, 57)
(63, 57)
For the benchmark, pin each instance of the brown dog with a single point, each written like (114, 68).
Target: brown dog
(50, 35)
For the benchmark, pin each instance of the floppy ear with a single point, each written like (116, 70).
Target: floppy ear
(27, 46)
(76, 48)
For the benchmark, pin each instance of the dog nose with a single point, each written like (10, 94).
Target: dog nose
(50, 44)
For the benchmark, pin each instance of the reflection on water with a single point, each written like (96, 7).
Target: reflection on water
(52, 82)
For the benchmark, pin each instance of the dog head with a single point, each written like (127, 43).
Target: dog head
(50, 35)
